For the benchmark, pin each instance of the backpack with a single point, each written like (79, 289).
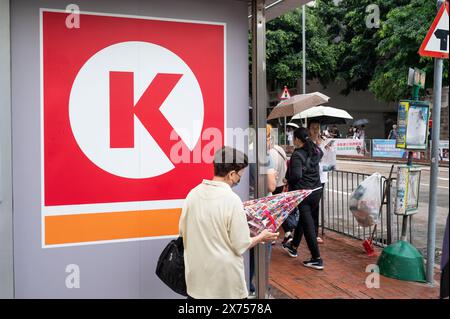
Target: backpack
(170, 266)
(305, 161)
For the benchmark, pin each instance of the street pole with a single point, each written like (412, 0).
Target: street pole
(259, 91)
(304, 47)
(434, 171)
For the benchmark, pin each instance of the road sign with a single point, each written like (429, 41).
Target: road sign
(285, 95)
(120, 95)
(436, 42)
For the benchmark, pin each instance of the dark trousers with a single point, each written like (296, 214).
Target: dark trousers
(306, 223)
(316, 213)
(252, 269)
(444, 282)
(315, 217)
(285, 227)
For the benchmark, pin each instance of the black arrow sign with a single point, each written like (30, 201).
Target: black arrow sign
(442, 35)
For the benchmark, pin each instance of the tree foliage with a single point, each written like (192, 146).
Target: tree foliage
(340, 45)
(284, 49)
(399, 39)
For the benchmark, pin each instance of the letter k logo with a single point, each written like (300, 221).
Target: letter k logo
(123, 109)
(128, 101)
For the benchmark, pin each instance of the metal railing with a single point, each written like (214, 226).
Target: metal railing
(336, 215)
(368, 153)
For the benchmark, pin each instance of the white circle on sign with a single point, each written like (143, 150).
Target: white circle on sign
(89, 108)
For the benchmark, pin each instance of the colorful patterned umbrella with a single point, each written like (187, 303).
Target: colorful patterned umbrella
(270, 212)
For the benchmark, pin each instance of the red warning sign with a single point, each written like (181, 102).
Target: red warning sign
(436, 42)
(285, 95)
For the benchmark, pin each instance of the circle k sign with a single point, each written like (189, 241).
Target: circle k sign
(113, 92)
(129, 81)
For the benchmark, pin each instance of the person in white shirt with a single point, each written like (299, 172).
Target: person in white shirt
(355, 133)
(290, 128)
(361, 133)
(271, 175)
(326, 132)
(279, 157)
(290, 137)
(215, 232)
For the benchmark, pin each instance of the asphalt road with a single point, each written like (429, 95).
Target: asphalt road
(384, 168)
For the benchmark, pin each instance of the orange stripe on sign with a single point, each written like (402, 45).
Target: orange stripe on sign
(69, 229)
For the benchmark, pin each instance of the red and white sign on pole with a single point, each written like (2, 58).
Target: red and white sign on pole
(285, 95)
(119, 95)
(436, 41)
(435, 45)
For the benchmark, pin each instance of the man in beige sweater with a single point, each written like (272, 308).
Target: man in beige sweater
(215, 232)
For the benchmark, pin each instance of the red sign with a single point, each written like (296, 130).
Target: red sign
(285, 95)
(436, 42)
(114, 92)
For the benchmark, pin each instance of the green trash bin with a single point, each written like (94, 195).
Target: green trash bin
(402, 261)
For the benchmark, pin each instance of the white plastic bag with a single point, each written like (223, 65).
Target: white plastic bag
(328, 161)
(365, 201)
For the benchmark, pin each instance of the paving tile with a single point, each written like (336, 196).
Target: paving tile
(344, 276)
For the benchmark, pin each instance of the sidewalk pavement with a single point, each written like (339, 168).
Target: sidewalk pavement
(344, 275)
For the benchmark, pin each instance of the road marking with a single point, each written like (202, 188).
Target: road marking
(424, 184)
(346, 193)
(375, 164)
(365, 163)
(336, 191)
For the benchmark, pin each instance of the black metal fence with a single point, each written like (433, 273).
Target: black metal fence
(336, 215)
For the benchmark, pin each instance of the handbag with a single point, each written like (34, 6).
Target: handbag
(170, 266)
(292, 220)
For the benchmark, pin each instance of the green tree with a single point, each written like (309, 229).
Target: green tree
(357, 43)
(340, 45)
(284, 49)
(399, 39)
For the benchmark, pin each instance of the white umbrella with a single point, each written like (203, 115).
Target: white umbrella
(297, 103)
(325, 115)
(293, 125)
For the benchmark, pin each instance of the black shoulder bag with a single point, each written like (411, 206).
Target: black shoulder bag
(170, 267)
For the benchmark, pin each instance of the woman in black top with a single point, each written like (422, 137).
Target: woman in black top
(304, 173)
